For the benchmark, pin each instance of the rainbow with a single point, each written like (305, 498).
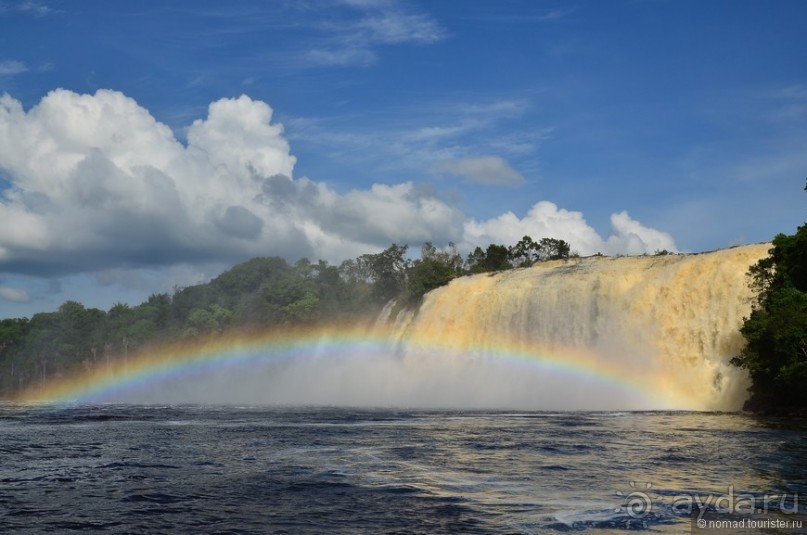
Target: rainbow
(107, 380)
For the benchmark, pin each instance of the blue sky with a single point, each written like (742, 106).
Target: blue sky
(141, 144)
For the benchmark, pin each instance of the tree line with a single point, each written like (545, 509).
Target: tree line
(257, 294)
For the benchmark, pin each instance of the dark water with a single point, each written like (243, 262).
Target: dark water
(134, 469)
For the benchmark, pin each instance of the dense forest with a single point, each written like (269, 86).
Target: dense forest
(775, 354)
(255, 295)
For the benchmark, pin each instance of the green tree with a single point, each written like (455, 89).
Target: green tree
(775, 354)
(388, 271)
(525, 252)
(433, 269)
(474, 262)
(304, 309)
(497, 258)
(152, 319)
(553, 249)
(250, 276)
(12, 333)
(12, 338)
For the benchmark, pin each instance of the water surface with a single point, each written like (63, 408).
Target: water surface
(191, 469)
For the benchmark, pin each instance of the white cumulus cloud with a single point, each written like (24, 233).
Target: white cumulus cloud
(96, 183)
(628, 236)
(545, 219)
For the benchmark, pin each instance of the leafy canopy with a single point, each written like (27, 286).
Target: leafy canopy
(776, 331)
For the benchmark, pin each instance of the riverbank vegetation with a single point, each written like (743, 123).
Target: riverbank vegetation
(775, 354)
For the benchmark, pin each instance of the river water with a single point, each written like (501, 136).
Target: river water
(203, 469)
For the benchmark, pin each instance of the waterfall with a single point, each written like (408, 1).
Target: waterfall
(668, 324)
(626, 333)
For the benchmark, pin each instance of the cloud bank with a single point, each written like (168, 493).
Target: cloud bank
(95, 182)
